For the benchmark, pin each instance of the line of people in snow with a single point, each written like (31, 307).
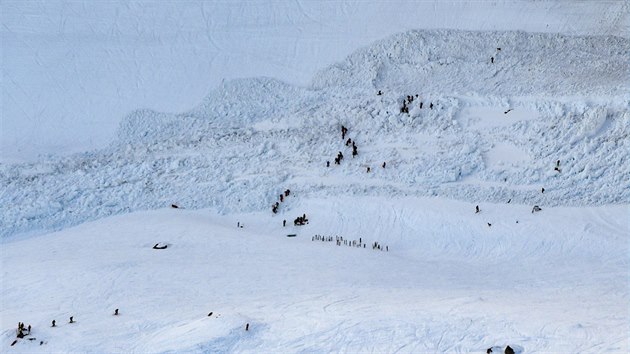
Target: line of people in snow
(276, 205)
(340, 241)
(23, 331)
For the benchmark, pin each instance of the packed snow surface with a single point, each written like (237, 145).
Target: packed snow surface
(552, 281)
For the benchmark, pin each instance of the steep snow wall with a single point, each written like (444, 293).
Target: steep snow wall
(252, 138)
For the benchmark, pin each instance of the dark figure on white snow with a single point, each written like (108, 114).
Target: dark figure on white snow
(210, 314)
(368, 169)
(508, 111)
(344, 130)
(284, 223)
(158, 247)
(489, 351)
(509, 350)
(542, 190)
(492, 60)
(477, 210)
(247, 327)
(71, 319)
(536, 209)
(340, 156)
(281, 198)
(384, 163)
(116, 312)
(379, 93)
(53, 323)
(354, 151)
(431, 105)
(327, 163)
(421, 104)
(336, 160)
(348, 142)
(174, 206)
(489, 225)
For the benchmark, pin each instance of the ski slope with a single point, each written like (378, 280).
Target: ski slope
(553, 282)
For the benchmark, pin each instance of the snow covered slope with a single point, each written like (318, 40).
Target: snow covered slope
(494, 134)
(550, 282)
(72, 70)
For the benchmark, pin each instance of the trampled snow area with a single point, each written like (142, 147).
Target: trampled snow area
(531, 108)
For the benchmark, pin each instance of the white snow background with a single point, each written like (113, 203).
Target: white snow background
(86, 188)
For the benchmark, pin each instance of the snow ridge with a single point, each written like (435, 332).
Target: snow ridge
(495, 133)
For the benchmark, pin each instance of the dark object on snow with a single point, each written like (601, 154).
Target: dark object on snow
(41, 342)
(536, 208)
(327, 163)
(477, 210)
(284, 223)
(210, 314)
(508, 111)
(291, 235)
(542, 190)
(509, 200)
(509, 350)
(29, 329)
(174, 206)
(489, 225)
(53, 323)
(489, 351)
(71, 319)
(116, 312)
(247, 327)
(368, 170)
(431, 105)
(384, 163)
(379, 93)
(20, 333)
(499, 49)
(32, 339)
(15, 341)
(156, 247)
(492, 60)
(421, 105)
